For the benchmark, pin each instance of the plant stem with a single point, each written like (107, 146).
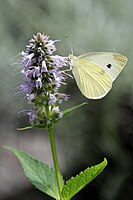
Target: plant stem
(55, 160)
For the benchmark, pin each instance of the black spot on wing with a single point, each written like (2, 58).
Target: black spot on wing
(109, 65)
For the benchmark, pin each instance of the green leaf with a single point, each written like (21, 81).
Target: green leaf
(69, 110)
(33, 126)
(25, 128)
(75, 184)
(66, 112)
(38, 173)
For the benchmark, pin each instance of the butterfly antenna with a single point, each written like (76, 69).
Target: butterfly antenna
(69, 44)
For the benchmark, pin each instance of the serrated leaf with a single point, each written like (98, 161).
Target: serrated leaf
(75, 184)
(69, 110)
(38, 173)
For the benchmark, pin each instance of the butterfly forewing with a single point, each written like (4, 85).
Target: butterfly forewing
(92, 80)
(112, 63)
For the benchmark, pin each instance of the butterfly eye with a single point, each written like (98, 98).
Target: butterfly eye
(109, 65)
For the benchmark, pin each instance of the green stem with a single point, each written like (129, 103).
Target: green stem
(55, 160)
(54, 155)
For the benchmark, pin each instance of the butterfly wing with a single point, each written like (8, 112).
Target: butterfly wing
(112, 63)
(92, 80)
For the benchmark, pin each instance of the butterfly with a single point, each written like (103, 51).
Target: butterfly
(95, 72)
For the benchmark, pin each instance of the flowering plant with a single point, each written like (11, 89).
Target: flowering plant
(43, 74)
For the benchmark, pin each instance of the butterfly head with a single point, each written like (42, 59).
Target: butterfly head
(72, 60)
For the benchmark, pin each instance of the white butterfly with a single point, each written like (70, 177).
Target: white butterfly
(95, 72)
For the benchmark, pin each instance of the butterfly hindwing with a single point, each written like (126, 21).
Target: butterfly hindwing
(92, 80)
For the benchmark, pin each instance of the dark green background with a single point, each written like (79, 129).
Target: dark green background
(103, 128)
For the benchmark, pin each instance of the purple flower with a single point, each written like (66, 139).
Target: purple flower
(62, 97)
(31, 97)
(32, 116)
(51, 47)
(57, 113)
(52, 99)
(29, 73)
(38, 83)
(27, 86)
(42, 37)
(32, 72)
(27, 59)
(36, 72)
(59, 78)
(59, 61)
(43, 75)
(44, 67)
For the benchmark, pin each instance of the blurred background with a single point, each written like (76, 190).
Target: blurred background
(103, 128)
